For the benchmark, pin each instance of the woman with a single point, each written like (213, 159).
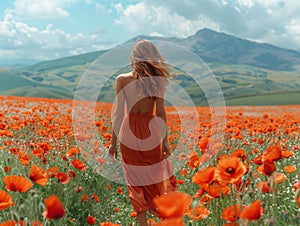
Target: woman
(139, 123)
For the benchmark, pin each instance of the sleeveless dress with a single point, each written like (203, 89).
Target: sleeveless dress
(147, 173)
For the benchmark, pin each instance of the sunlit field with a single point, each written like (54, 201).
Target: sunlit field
(253, 178)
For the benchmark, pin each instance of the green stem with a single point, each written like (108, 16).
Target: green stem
(233, 200)
(274, 199)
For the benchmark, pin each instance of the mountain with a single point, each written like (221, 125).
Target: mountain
(213, 47)
(221, 48)
(228, 49)
(243, 68)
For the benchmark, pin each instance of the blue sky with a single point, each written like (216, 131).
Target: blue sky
(50, 29)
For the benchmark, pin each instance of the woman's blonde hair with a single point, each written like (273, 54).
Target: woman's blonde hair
(147, 62)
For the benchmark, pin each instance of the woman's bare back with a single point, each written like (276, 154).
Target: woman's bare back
(135, 103)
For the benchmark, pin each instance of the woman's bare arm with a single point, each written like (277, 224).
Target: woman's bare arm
(161, 112)
(118, 116)
(160, 109)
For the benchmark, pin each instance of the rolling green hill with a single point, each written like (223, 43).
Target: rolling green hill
(249, 73)
(11, 80)
(65, 63)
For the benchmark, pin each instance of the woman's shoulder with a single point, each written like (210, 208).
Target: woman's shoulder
(125, 77)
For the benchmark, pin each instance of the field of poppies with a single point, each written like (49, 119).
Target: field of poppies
(47, 179)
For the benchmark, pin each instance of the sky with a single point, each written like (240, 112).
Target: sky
(50, 29)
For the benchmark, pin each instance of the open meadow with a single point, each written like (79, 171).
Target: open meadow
(46, 177)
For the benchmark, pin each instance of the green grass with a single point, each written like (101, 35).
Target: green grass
(41, 91)
(10, 80)
(269, 99)
(59, 78)
(65, 62)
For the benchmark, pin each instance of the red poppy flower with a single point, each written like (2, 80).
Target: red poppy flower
(205, 199)
(296, 185)
(20, 223)
(14, 151)
(45, 146)
(239, 153)
(260, 141)
(217, 190)
(264, 187)
(63, 157)
(72, 173)
(39, 152)
(54, 208)
(62, 177)
(287, 154)
(179, 181)
(198, 193)
(231, 224)
(290, 169)
(184, 172)
(267, 168)
(36, 223)
(117, 209)
(120, 190)
(52, 171)
(11, 223)
(279, 177)
(109, 224)
(204, 176)
(232, 213)
(78, 189)
(71, 152)
(272, 153)
(5, 200)
(84, 198)
(38, 175)
(295, 148)
(172, 204)
(78, 164)
(6, 169)
(230, 169)
(151, 221)
(253, 211)
(258, 160)
(172, 221)
(91, 220)
(203, 144)
(198, 213)
(297, 199)
(17, 183)
(24, 159)
(194, 160)
(133, 214)
(95, 197)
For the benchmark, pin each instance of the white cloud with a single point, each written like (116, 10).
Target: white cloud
(276, 22)
(44, 9)
(273, 22)
(19, 40)
(118, 7)
(294, 26)
(245, 3)
(143, 18)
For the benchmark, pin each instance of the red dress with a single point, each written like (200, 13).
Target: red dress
(147, 174)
